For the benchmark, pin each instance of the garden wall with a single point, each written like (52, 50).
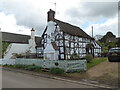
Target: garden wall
(67, 65)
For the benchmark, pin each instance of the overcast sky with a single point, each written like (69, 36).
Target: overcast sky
(19, 16)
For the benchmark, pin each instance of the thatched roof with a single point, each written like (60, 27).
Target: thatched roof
(72, 30)
(18, 38)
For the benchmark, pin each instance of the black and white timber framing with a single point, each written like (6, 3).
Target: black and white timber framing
(70, 39)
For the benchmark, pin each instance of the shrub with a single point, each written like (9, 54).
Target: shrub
(56, 71)
(74, 56)
(32, 68)
(18, 55)
(28, 67)
(89, 57)
(20, 66)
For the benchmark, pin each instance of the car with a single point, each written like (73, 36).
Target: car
(114, 54)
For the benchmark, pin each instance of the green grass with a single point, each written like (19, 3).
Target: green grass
(56, 71)
(95, 62)
(36, 68)
(26, 67)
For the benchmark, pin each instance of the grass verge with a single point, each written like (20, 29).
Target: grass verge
(95, 62)
(37, 68)
(26, 67)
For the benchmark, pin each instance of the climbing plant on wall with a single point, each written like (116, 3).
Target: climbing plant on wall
(4, 47)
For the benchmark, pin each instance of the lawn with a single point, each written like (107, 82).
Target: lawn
(95, 61)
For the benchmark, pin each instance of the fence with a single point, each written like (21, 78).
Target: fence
(67, 65)
(7, 61)
(0, 61)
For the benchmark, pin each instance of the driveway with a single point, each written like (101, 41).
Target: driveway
(106, 72)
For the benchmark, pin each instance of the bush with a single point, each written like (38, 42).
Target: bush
(89, 57)
(28, 67)
(20, 66)
(74, 56)
(4, 47)
(33, 68)
(18, 55)
(56, 71)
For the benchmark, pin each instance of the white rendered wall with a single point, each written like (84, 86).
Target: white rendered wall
(32, 46)
(51, 28)
(16, 48)
(49, 52)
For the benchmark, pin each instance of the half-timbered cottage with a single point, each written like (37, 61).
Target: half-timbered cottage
(68, 39)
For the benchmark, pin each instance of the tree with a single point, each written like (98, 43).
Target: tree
(118, 42)
(106, 45)
(108, 35)
(4, 47)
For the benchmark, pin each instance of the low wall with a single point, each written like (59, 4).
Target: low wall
(67, 65)
(7, 61)
(0, 61)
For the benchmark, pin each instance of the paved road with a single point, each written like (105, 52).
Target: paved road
(19, 80)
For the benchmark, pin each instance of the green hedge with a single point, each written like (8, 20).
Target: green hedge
(26, 67)
(56, 71)
(89, 58)
(36, 68)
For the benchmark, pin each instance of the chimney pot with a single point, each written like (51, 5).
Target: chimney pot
(32, 29)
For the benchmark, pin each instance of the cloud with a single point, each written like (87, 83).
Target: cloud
(101, 29)
(93, 10)
(27, 14)
(102, 15)
(8, 24)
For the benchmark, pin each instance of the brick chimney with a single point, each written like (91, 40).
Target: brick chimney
(51, 15)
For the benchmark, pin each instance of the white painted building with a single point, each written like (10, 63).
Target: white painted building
(15, 48)
(51, 50)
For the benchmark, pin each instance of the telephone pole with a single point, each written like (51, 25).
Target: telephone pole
(92, 31)
(54, 4)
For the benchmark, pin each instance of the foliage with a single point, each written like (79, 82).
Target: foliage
(89, 57)
(108, 35)
(106, 46)
(95, 62)
(4, 47)
(35, 68)
(19, 55)
(118, 42)
(32, 67)
(56, 71)
(74, 56)
(20, 66)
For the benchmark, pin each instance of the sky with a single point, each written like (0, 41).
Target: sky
(19, 16)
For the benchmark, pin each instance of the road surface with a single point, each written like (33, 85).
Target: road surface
(12, 79)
